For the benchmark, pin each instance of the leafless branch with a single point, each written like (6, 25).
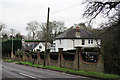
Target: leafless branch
(95, 8)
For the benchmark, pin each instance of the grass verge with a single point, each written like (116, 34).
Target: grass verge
(9, 60)
(80, 72)
(95, 74)
(29, 64)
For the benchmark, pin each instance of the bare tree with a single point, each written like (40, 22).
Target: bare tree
(96, 7)
(32, 27)
(55, 27)
(2, 26)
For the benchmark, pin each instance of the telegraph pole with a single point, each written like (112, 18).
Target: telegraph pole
(12, 40)
(45, 54)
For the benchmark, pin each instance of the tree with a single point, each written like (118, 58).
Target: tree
(5, 37)
(97, 7)
(18, 36)
(54, 29)
(111, 49)
(2, 26)
(32, 28)
(109, 33)
(57, 27)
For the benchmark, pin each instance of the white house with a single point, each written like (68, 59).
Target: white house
(41, 46)
(34, 45)
(75, 38)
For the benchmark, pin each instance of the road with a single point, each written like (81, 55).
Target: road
(12, 71)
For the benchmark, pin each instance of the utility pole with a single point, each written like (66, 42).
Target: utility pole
(12, 40)
(45, 54)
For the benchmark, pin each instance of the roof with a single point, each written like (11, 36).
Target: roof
(34, 40)
(71, 34)
(29, 46)
(48, 45)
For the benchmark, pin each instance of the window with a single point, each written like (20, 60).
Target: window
(90, 41)
(77, 34)
(40, 47)
(83, 42)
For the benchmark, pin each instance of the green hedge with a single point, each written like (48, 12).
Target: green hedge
(7, 45)
(34, 40)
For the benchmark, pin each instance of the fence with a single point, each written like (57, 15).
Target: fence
(87, 60)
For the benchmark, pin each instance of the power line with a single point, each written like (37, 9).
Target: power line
(65, 8)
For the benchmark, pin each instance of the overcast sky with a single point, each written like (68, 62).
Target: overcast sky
(16, 13)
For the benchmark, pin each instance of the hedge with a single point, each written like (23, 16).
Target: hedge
(7, 45)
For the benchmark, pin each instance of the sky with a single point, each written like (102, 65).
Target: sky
(17, 13)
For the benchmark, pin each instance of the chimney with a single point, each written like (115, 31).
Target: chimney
(77, 32)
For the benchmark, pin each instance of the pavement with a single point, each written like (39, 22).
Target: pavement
(12, 71)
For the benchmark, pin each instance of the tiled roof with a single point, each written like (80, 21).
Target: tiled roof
(29, 45)
(71, 34)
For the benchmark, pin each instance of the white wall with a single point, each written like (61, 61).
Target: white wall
(37, 47)
(68, 44)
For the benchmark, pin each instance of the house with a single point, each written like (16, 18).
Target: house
(34, 45)
(41, 46)
(75, 38)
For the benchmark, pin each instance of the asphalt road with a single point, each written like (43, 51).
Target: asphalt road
(12, 71)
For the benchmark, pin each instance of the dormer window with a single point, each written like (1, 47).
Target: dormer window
(77, 34)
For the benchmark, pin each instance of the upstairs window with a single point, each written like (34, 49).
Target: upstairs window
(83, 42)
(90, 41)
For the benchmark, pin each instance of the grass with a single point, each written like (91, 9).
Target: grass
(35, 65)
(29, 64)
(80, 72)
(84, 73)
(94, 74)
(56, 68)
(9, 60)
(25, 63)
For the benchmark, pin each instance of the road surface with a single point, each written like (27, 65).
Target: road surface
(12, 71)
